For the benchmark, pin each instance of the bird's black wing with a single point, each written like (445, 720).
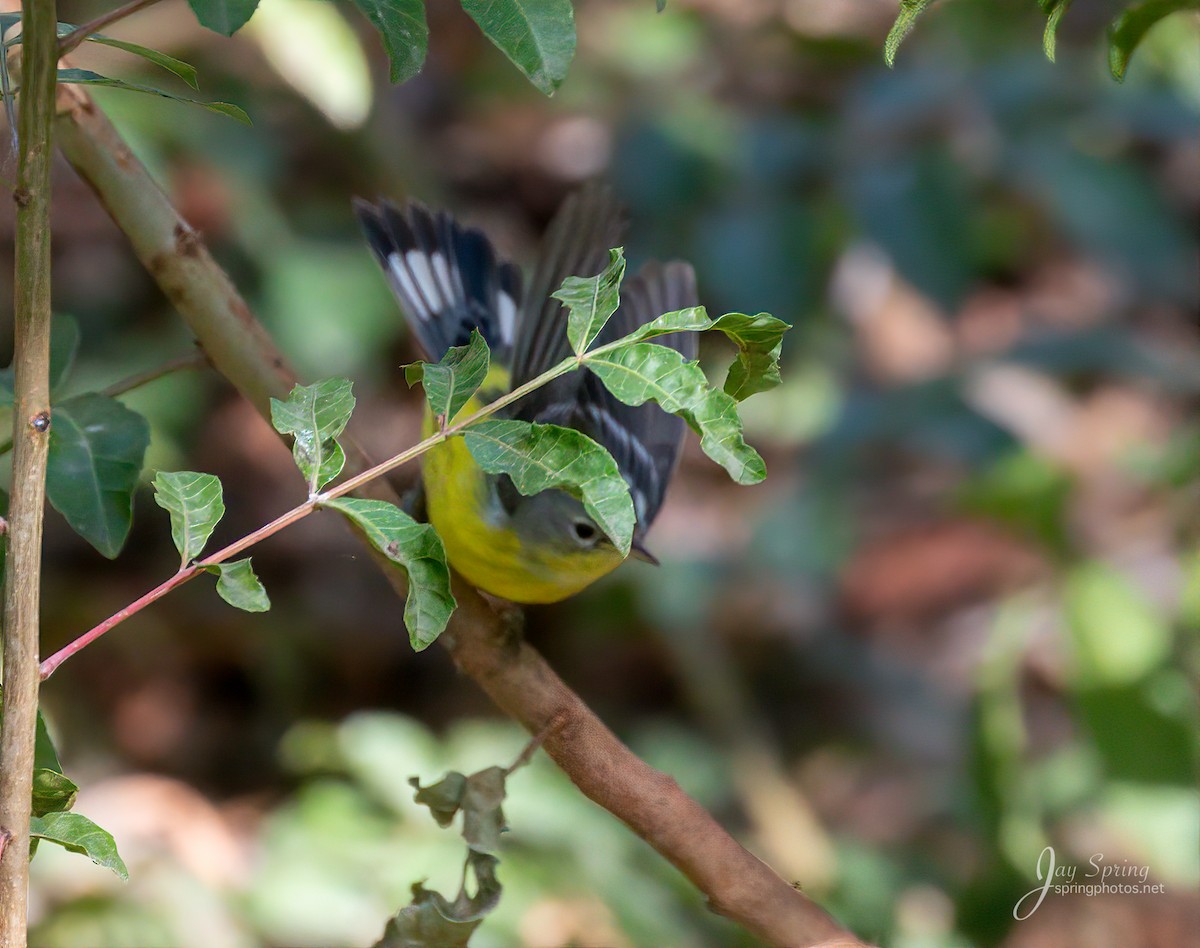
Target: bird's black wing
(448, 278)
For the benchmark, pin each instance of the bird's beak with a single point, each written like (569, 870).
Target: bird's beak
(638, 551)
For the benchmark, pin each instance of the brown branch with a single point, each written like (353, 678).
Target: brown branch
(31, 430)
(481, 641)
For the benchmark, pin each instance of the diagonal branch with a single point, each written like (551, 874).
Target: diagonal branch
(480, 639)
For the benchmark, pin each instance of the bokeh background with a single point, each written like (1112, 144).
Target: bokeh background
(957, 623)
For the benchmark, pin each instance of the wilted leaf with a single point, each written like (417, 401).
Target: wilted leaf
(537, 35)
(542, 457)
(401, 25)
(223, 16)
(315, 415)
(96, 450)
(758, 339)
(443, 798)
(89, 78)
(417, 548)
(905, 20)
(80, 835)
(52, 792)
(240, 587)
(1132, 25)
(483, 818)
(449, 384)
(195, 504)
(433, 922)
(591, 301)
(644, 371)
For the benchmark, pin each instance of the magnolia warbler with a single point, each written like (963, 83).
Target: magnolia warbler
(449, 280)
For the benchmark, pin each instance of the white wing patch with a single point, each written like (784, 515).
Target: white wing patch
(507, 310)
(406, 288)
(418, 263)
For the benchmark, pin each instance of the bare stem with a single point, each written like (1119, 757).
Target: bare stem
(81, 33)
(31, 429)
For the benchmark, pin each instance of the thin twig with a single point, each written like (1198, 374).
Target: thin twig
(81, 33)
(535, 742)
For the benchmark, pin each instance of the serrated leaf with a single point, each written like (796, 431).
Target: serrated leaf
(537, 35)
(97, 446)
(417, 549)
(64, 346)
(905, 20)
(315, 415)
(223, 16)
(240, 587)
(1131, 26)
(405, 34)
(88, 78)
(80, 835)
(544, 457)
(644, 371)
(432, 920)
(449, 384)
(758, 339)
(1054, 10)
(52, 792)
(195, 504)
(591, 301)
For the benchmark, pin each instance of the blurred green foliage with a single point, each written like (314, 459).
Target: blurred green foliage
(957, 623)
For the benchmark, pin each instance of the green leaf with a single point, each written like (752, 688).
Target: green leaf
(1131, 27)
(432, 920)
(238, 586)
(758, 339)
(195, 504)
(1117, 635)
(315, 415)
(1054, 10)
(89, 78)
(905, 20)
(52, 792)
(45, 757)
(80, 835)
(449, 384)
(660, 5)
(591, 301)
(415, 547)
(223, 16)
(184, 71)
(64, 345)
(644, 371)
(401, 25)
(97, 446)
(537, 35)
(542, 457)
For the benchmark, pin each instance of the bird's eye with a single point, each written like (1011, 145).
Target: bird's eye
(584, 530)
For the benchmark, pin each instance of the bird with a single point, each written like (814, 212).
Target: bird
(449, 280)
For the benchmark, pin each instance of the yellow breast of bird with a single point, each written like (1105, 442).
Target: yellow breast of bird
(480, 542)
